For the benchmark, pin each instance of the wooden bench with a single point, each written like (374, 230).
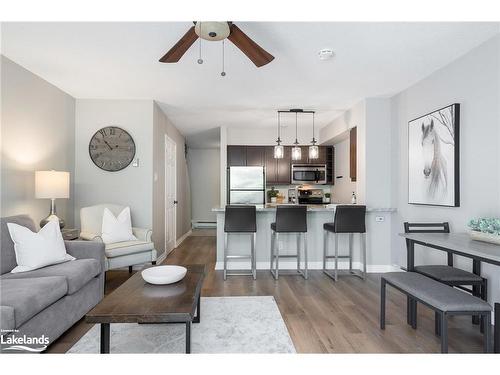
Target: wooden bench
(443, 299)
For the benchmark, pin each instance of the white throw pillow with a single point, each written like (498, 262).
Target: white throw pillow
(37, 250)
(117, 229)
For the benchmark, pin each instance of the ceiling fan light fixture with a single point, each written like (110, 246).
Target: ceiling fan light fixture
(212, 31)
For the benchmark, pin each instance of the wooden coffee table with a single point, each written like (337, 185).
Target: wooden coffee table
(136, 301)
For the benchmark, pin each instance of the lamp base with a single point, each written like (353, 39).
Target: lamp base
(50, 218)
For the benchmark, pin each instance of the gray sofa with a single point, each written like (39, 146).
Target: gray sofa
(49, 300)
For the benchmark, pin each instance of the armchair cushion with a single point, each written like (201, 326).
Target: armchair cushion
(118, 249)
(91, 217)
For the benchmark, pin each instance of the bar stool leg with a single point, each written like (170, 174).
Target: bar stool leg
(336, 246)
(350, 252)
(298, 252)
(305, 257)
(225, 256)
(272, 252)
(487, 332)
(277, 252)
(253, 259)
(325, 248)
(363, 244)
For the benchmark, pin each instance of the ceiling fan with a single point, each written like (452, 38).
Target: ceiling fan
(215, 31)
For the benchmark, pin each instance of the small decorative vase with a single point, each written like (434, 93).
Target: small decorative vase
(485, 237)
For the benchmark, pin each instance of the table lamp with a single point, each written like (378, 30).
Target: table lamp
(52, 185)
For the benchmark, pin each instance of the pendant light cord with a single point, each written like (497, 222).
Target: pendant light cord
(296, 122)
(279, 129)
(314, 139)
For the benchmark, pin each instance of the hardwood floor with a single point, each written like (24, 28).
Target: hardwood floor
(322, 316)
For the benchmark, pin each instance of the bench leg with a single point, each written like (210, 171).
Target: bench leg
(476, 289)
(497, 328)
(414, 315)
(487, 331)
(382, 303)
(444, 332)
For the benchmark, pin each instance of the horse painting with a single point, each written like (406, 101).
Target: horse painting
(434, 164)
(433, 142)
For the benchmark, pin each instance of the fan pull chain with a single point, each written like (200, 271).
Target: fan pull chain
(200, 60)
(223, 73)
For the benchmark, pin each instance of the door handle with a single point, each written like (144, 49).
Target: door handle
(175, 202)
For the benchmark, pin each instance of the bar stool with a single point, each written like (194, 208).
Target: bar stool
(240, 219)
(289, 219)
(350, 220)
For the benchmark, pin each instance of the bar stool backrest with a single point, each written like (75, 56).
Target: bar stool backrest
(240, 218)
(350, 219)
(427, 227)
(291, 219)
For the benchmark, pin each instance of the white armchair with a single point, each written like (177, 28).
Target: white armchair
(119, 254)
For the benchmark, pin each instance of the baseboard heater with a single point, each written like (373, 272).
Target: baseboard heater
(203, 224)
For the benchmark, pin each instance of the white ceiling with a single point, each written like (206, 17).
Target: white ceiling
(120, 61)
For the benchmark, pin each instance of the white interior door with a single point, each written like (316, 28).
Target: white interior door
(170, 194)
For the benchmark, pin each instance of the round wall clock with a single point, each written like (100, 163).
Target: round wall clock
(112, 149)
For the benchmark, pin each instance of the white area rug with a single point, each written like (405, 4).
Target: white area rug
(228, 325)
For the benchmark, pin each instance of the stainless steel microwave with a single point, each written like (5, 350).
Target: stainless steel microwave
(313, 174)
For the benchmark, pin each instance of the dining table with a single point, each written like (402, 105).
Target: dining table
(459, 244)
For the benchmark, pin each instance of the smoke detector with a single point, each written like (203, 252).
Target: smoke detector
(325, 54)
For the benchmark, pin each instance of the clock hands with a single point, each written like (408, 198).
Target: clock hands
(111, 148)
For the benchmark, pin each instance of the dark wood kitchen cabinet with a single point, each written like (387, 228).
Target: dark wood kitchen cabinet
(256, 156)
(353, 140)
(236, 156)
(284, 166)
(278, 171)
(271, 166)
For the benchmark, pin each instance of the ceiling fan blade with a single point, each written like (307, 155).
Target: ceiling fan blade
(253, 51)
(175, 53)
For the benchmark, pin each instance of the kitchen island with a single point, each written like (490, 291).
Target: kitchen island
(378, 239)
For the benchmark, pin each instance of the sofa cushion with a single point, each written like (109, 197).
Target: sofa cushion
(29, 296)
(7, 320)
(77, 273)
(7, 253)
(118, 249)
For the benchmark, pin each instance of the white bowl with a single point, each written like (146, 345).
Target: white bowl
(161, 275)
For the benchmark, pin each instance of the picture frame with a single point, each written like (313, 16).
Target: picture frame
(434, 158)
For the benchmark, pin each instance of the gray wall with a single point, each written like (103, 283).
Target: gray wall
(204, 175)
(343, 188)
(132, 186)
(38, 124)
(473, 81)
(161, 127)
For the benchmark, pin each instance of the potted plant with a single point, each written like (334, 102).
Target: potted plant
(326, 198)
(485, 229)
(272, 195)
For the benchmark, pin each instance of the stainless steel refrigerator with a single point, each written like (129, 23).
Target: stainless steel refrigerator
(246, 185)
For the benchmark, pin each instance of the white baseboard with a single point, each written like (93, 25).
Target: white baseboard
(161, 258)
(182, 238)
(292, 265)
(203, 224)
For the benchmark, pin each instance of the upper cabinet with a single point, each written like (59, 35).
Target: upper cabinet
(236, 156)
(353, 140)
(278, 171)
(256, 156)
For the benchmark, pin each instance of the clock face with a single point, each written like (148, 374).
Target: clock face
(112, 149)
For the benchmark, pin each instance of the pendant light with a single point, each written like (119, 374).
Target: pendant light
(313, 149)
(296, 151)
(279, 149)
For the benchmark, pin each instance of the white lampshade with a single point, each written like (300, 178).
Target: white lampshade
(51, 184)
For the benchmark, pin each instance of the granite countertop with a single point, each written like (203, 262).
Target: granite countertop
(271, 207)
